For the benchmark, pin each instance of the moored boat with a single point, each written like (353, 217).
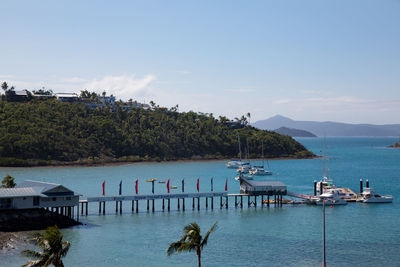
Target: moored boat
(368, 195)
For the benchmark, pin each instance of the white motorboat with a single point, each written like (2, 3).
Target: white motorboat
(331, 197)
(244, 169)
(259, 171)
(326, 184)
(370, 196)
(234, 164)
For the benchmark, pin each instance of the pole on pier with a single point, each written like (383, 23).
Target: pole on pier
(163, 205)
(275, 200)
(77, 213)
(169, 204)
(198, 203)
(241, 202)
(248, 200)
(148, 205)
(268, 202)
(367, 183)
(323, 233)
(236, 204)
(152, 206)
(262, 201)
(206, 202)
(255, 201)
(361, 186)
(120, 207)
(281, 200)
(183, 185)
(87, 204)
(212, 184)
(99, 207)
(179, 204)
(152, 186)
(226, 202)
(133, 205)
(78, 205)
(183, 204)
(212, 203)
(104, 208)
(137, 206)
(116, 206)
(315, 188)
(193, 203)
(220, 202)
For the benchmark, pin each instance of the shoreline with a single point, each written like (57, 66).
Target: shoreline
(122, 163)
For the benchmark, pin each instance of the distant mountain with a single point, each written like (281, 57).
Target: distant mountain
(294, 132)
(329, 128)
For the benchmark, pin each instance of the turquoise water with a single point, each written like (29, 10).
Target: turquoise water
(357, 234)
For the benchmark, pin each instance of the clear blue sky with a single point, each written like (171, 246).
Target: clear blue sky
(308, 60)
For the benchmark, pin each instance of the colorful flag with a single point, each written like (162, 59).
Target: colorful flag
(197, 184)
(136, 186)
(120, 187)
(104, 189)
(226, 184)
(168, 186)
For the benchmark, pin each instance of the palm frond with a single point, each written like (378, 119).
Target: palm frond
(65, 247)
(212, 229)
(173, 247)
(187, 246)
(32, 254)
(33, 263)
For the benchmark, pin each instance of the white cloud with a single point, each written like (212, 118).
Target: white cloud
(74, 80)
(124, 86)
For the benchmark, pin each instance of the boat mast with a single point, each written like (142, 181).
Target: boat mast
(323, 172)
(262, 149)
(248, 154)
(240, 150)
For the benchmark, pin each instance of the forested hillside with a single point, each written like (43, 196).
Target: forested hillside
(43, 132)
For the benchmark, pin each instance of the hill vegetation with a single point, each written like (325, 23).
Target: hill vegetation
(50, 132)
(294, 132)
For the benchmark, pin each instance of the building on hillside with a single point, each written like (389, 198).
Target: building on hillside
(256, 188)
(67, 97)
(34, 195)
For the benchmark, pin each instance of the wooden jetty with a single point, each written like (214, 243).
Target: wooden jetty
(251, 190)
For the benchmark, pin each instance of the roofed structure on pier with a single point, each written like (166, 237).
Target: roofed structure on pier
(36, 194)
(256, 188)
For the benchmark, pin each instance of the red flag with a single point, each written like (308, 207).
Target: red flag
(168, 186)
(197, 184)
(226, 184)
(136, 186)
(104, 185)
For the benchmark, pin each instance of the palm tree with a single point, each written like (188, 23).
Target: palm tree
(191, 240)
(53, 249)
(8, 182)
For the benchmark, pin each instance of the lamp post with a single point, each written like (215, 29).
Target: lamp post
(323, 233)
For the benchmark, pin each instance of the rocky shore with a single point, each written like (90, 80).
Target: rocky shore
(32, 219)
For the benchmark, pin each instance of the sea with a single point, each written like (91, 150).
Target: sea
(356, 234)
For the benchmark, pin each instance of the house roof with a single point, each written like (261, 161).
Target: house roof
(263, 183)
(20, 192)
(21, 93)
(66, 95)
(44, 186)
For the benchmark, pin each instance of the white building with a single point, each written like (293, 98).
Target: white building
(67, 97)
(35, 194)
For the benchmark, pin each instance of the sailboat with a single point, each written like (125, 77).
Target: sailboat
(235, 164)
(260, 170)
(326, 183)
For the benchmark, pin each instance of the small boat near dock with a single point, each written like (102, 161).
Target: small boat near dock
(368, 195)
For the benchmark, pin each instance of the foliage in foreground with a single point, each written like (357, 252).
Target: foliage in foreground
(191, 240)
(8, 182)
(43, 132)
(53, 249)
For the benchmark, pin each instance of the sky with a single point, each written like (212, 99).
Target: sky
(333, 60)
